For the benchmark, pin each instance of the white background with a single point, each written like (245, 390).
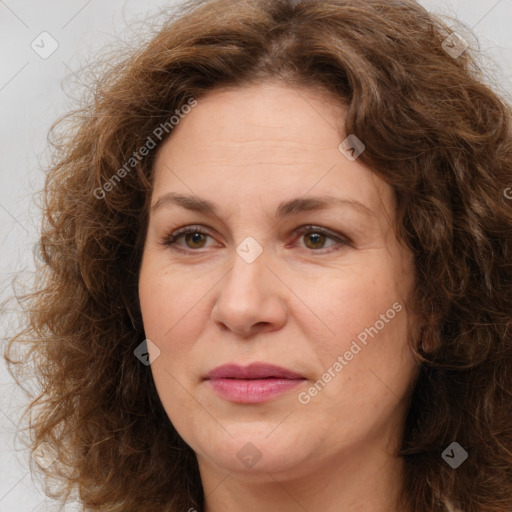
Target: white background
(32, 98)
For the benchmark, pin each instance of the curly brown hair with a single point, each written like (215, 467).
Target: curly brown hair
(433, 130)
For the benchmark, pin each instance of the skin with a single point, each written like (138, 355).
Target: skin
(299, 305)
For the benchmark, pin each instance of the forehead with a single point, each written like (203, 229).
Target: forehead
(270, 111)
(269, 141)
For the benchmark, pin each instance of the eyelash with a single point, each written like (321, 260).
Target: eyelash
(171, 238)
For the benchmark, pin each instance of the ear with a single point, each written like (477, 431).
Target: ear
(428, 340)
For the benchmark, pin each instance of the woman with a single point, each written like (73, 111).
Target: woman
(277, 270)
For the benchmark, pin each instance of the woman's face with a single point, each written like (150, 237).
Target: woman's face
(291, 261)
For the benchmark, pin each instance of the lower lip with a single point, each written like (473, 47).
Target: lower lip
(252, 391)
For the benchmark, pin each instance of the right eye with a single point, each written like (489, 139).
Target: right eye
(194, 237)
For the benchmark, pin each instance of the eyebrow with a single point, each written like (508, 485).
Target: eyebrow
(285, 209)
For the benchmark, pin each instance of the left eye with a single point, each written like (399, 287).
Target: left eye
(195, 238)
(315, 236)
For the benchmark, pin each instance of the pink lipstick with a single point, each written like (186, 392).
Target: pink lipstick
(256, 383)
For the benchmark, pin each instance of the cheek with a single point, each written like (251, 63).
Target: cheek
(365, 312)
(168, 298)
(169, 309)
(353, 301)
(174, 309)
(366, 365)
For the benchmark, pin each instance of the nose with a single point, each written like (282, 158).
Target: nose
(251, 299)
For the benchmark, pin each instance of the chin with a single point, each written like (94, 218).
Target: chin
(253, 451)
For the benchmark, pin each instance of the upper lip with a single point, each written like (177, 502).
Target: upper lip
(252, 371)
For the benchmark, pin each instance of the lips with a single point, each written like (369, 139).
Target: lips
(253, 371)
(256, 383)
